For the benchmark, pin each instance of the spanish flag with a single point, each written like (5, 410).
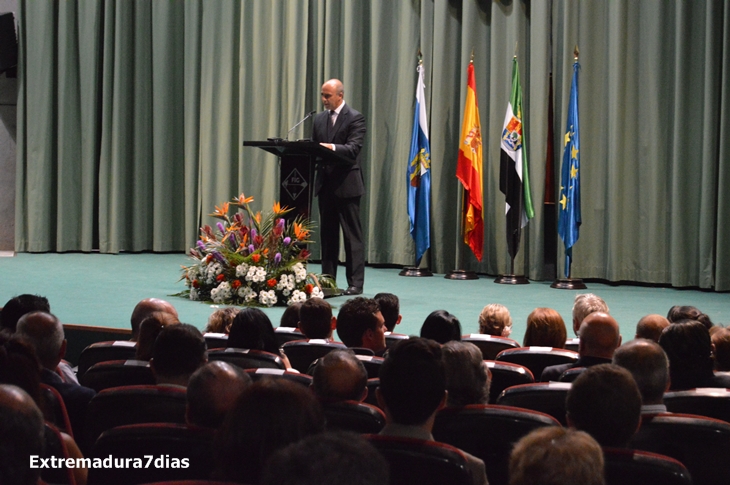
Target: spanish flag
(469, 168)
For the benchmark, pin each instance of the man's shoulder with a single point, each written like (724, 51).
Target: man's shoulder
(553, 372)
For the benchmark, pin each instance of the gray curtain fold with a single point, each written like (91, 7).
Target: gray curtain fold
(132, 115)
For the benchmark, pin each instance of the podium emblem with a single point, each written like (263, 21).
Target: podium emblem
(294, 184)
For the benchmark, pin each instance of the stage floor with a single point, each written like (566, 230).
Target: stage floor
(102, 290)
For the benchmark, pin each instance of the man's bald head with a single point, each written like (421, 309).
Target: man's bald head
(21, 435)
(332, 94)
(340, 376)
(212, 391)
(650, 326)
(599, 335)
(44, 332)
(146, 308)
(649, 365)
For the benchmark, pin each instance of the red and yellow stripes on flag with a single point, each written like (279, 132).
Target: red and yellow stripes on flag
(469, 168)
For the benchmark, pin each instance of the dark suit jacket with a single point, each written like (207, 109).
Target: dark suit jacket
(553, 372)
(75, 397)
(347, 135)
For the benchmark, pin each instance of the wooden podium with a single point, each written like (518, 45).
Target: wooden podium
(296, 170)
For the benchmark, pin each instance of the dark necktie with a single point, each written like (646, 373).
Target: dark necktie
(331, 124)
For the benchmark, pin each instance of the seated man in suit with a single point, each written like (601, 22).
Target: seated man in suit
(584, 305)
(412, 389)
(147, 307)
(178, 352)
(21, 436)
(316, 320)
(599, 337)
(651, 326)
(390, 308)
(360, 324)
(340, 376)
(649, 366)
(213, 390)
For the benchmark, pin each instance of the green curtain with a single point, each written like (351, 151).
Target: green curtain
(132, 115)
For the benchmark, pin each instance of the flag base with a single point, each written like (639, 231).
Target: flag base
(461, 274)
(413, 271)
(511, 279)
(569, 284)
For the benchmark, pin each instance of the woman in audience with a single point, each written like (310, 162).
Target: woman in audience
(495, 320)
(721, 341)
(689, 349)
(545, 328)
(220, 321)
(679, 314)
(252, 329)
(269, 415)
(441, 326)
(467, 376)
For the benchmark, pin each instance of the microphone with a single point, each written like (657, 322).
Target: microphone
(300, 122)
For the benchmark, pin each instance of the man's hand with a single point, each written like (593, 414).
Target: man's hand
(331, 146)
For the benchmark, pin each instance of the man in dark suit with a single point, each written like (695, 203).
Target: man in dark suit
(340, 186)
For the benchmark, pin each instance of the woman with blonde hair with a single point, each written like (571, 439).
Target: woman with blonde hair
(495, 320)
(545, 328)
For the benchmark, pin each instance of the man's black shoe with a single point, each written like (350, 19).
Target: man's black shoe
(353, 290)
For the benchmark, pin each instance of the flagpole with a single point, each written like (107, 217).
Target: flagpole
(461, 274)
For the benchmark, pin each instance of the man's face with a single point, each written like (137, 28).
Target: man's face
(331, 98)
(375, 339)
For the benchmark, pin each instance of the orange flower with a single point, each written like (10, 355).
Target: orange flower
(242, 199)
(196, 284)
(209, 258)
(266, 251)
(308, 288)
(236, 284)
(271, 283)
(256, 257)
(258, 217)
(221, 211)
(220, 277)
(301, 233)
(278, 209)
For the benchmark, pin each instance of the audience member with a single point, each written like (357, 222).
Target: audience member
(467, 376)
(678, 314)
(545, 328)
(412, 388)
(390, 308)
(604, 401)
(178, 352)
(20, 305)
(649, 366)
(45, 334)
(495, 320)
(584, 305)
(316, 320)
(340, 376)
(269, 415)
(252, 329)
(220, 321)
(212, 392)
(556, 456)
(651, 326)
(721, 341)
(327, 459)
(689, 349)
(149, 329)
(360, 324)
(441, 326)
(21, 436)
(147, 307)
(290, 317)
(599, 337)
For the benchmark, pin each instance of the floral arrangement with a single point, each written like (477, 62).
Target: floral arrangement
(250, 259)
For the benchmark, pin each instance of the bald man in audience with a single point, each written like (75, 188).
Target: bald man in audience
(212, 391)
(651, 326)
(340, 376)
(599, 338)
(21, 436)
(649, 365)
(147, 307)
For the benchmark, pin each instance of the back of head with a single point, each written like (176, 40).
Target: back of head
(467, 376)
(495, 320)
(44, 332)
(649, 366)
(679, 314)
(599, 335)
(220, 321)
(604, 401)
(21, 436)
(20, 305)
(441, 326)
(269, 415)
(689, 349)
(721, 341)
(650, 327)
(19, 366)
(556, 456)
(145, 308)
(546, 328)
(412, 381)
(148, 332)
(355, 317)
(213, 391)
(252, 329)
(315, 318)
(290, 317)
(339, 376)
(178, 352)
(584, 305)
(328, 459)
(390, 308)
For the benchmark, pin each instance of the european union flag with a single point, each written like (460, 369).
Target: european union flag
(418, 174)
(569, 219)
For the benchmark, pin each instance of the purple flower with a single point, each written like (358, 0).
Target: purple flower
(221, 227)
(287, 241)
(201, 246)
(251, 249)
(277, 258)
(280, 224)
(253, 233)
(232, 238)
(219, 256)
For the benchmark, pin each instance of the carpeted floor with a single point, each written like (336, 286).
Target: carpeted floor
(102, 290)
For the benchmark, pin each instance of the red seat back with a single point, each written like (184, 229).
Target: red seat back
(103, 351)
(504, 375)
(537, 358)
(489, 344)
(247, 359)
(545, 397)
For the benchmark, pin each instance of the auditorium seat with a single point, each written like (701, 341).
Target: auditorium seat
(488, 432)
(392, 338)
(59, 414)
(257, 374)
(54, 446)
(169, 441)
(537, 358)
(370, 362)
(545, 397)
(215, 340)
(120, 406)
(504, 375)
(116, 373)
(354, 416)
(192, 482)
(372, 385)
(572, 344)
(287, 334)
(489, 344)
(571, 374)
(634, 467)
(713, 402)
(103, 351)
(302, 353)
(420, 462)
(700, 443)
(247, 358)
